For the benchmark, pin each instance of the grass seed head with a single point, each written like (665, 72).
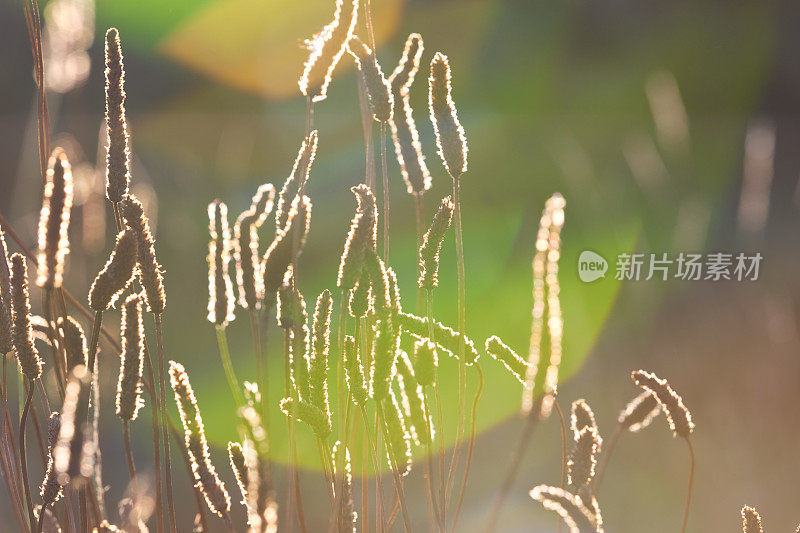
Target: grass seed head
(502, 353)
(361, 237)
(54, 221)
(638, 414)
(678, 416)
(447, 338)
(117, 273)
(296, 181)
(360, 300)
(581, 416)
(425, 361)
(205, 474)
(286, 247)
(27, 355)
(221, 302)
(582, 462)
(379, 93)
(150, 274)
(77, 348)
(74, 451)
(451, 140)
(354, 372)
(413, 401)
(129, 386)
(6, 314)
(751, 520)
(320, 350)
(399, 439)
(570, 508)
(325, 48)
(118, 172)
(305, 412)
(432, 244)
(405, 135)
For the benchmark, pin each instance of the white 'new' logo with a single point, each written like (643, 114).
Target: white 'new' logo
(591, 266)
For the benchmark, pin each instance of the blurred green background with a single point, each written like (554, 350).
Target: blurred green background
(638, 112)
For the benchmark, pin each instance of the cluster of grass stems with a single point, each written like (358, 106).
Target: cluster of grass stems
(386, 397)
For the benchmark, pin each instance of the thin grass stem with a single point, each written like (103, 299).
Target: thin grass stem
(398, 482)
(155, 414)
(23, 455)
(164, 420)
(471, 447)
(609, 449)
(224, 354)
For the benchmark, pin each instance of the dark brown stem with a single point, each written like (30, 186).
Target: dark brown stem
(471, 446)
(691, 482)
(155, 413)
(126, 437)
(96, 325)
(163, 394)
(23, 456)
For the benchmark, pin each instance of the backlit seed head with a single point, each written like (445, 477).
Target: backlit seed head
(447, 338)
(296, 181)
(582, 462)
(451, 140)
(640, 412)
(379, 91)
(678, 416)
(6, 315)
(305, 412)
(150, 272)
(117, 273)
(291, 310)
(53, 429)
(354, 372)
(242, 460)
(348, 517)
(498, 350)
(27, 355)
(403, 75)
(77, 349)
(118, 173)
(362, 236)
(54, 221)
(399, 438)
(570, 508)
(51, 489)
(751, 520)
(359, 303)
(249, 278)
(325, 49)
(286, 247)
(432, 244)
(581, 416)
(413, 401)
(263, 202)
(425, 361)
(320, 350)
(404, 130)
(129, 386)
(74, 451)
(221, 302)
(205, 475)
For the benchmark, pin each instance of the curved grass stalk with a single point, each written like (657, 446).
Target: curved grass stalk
(563, 451)
(225, 356)
(437, 513)
(471, 448)
(23, 456)
(462, 328)
(381, 510)
(432, 336)
(385, 175)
